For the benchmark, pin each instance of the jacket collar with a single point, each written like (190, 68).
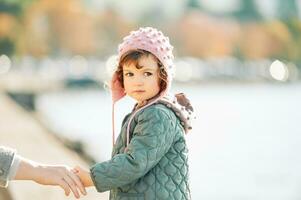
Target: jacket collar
(182, 109)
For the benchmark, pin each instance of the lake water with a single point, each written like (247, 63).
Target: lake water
(245, 143)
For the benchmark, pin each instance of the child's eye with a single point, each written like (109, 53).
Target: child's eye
(128, 74)
(148, 73)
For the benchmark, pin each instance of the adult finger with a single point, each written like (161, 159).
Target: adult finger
(72, 185)
(64, 186)
(78, 183)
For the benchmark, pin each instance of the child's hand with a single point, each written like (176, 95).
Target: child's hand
(84, 175)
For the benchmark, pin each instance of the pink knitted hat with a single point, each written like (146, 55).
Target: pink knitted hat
(148, 39)
(153, 41)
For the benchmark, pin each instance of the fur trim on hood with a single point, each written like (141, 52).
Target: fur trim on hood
(181, 107)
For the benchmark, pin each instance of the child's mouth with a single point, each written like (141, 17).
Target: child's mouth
(139, 91)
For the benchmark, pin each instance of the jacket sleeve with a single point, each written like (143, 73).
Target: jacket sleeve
(152, 138)
(6, 160)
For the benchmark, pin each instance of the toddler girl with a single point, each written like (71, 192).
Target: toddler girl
(149, 158)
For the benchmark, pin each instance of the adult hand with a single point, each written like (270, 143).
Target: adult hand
(62, 176)
(59, 175)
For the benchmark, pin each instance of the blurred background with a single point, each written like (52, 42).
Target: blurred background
(239, 61)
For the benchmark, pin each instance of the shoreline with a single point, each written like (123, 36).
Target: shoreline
(22, 131)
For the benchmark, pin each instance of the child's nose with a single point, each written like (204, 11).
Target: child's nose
(138, 80)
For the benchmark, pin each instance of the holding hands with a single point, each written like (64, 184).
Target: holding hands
(84, 175)
(59, 175)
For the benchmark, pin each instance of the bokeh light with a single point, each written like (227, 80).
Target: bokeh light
(279, 71)
(5, 64)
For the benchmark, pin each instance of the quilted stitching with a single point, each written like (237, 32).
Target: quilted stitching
(155, 165)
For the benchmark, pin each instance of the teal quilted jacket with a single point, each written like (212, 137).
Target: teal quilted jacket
(155, 165)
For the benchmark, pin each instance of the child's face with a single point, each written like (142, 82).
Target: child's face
(142, 84)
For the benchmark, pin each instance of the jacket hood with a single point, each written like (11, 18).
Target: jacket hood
(181, 106)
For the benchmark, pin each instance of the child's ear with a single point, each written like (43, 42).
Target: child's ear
(116, 81)
(117, 88)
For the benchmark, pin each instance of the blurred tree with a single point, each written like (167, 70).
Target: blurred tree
(15, 7)
(154, 15)
(288, 12)
(110, 29)
(281, 39)
(248, 11)
(203, 36)
(237, 52)
(7, 46)
(193, 4)
(54, 27)
(294, 50)
(254, 41)
(9, 8)
(287, 9)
